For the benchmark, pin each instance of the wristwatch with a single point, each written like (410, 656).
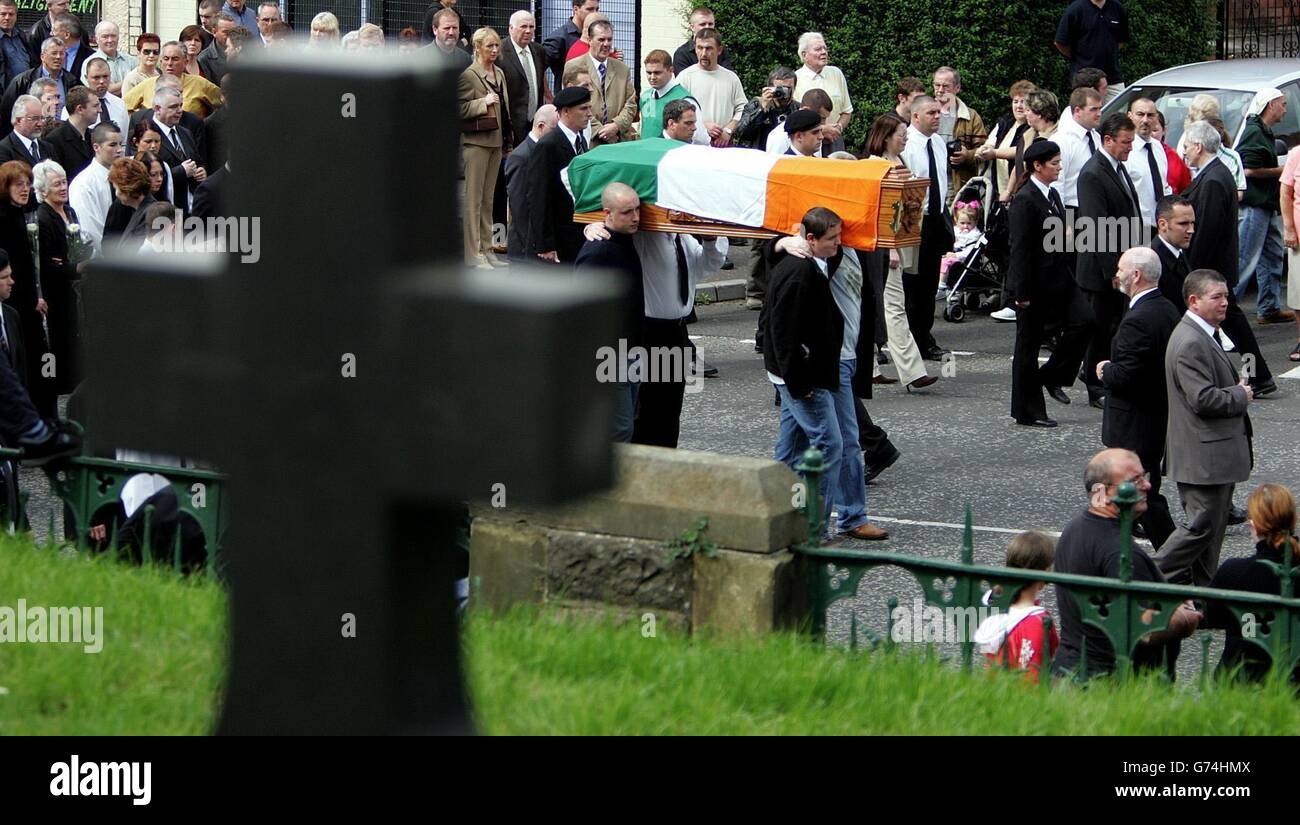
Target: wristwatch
(727, 131)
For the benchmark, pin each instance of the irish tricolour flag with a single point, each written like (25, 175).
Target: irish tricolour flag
(740, 186)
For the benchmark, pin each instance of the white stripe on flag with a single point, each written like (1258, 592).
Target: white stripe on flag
(720, 184)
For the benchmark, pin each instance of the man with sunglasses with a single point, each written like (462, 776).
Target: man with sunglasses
(1089, 546)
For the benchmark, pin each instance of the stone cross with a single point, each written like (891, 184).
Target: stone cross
(357, 384)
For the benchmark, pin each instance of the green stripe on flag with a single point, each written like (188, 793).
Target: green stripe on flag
(635, 163)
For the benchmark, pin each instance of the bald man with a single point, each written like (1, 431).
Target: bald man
(517, 182)
(1137, 409)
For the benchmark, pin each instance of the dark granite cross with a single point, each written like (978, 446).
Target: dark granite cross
(356, 383)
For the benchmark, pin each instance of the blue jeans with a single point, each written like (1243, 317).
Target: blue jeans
(828, 422)
(1260, 238)
(625, 410)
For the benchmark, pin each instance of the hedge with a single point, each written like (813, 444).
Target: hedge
(993, 43)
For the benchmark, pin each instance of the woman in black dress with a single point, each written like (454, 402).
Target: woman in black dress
(59, 275)
(15, 189)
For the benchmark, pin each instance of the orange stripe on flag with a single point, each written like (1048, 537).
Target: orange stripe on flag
(849, 188)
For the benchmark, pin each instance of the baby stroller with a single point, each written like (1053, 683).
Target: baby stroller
(976, 282)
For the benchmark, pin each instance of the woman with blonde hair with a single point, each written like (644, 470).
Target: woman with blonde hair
(324, 31)
(485, 130)
(1201, 107)
(1271, 510)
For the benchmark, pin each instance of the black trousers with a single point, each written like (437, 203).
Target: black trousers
(872, 438)
(1066, 312)
(1237, 326)
(1107, 309)
(919, 288)
(1156, 520)
(659, 399)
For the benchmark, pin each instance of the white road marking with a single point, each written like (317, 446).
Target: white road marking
(1291, 373)
(975, 527)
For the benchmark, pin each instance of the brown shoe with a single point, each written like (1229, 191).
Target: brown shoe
(1280, 317)
(866, 532)
(922, 382)
(883, 379)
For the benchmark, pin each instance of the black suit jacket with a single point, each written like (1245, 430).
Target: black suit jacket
(517, 236)
(71, 150)
(36, 37)
(213, 143)
(551, 226)
(1034, 273)
(212, 62)
(804, 329)
(517, 85)
(211, 197)
(1137, 408)
(1103, 194)
(1213, 194)
(19, 86)
(190, 121)
(17, 348)
(168, 155)
(1173, 271)
(12, 148)
(618, 254)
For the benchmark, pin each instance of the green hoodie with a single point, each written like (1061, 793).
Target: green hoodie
(1258, 152)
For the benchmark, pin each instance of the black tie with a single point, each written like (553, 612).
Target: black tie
(1055, 198)
(176, 141)
(936, 200)
(683, 272)
(1132, 192)
(579, 145)
(1092, 147)
(1184, 269)
(1157, 184)
(36, 150)
(103, 111)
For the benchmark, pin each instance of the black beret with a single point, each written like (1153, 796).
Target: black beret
(1041, 150)
(572, 96)
(802, 121)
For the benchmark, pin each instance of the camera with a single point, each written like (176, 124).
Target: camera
(781, 94)
(955, 145)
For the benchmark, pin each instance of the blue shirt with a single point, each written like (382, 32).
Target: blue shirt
(17, 58)
(247, 18)
(70, 57)
(44, 72)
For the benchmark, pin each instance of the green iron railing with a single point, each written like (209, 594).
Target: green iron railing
(1123, 610)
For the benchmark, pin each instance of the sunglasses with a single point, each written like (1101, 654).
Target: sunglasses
(149, 51)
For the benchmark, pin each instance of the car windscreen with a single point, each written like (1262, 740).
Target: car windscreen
(1174, 101)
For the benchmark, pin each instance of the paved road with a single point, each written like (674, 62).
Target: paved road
(959, 444)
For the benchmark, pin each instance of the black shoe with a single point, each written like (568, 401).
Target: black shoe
(1139, 532)
(876, 466)
(1037, 422)
(62, 442)
(882, 358)
(922, 382)
(1264, 388)
(1058, 395)
(708, 369)
(727, 265)
(1236, 515)
(934, 354)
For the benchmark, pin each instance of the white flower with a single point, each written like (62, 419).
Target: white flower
(32, 229)
(74, 228)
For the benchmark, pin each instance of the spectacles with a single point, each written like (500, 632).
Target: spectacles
(1138, 479)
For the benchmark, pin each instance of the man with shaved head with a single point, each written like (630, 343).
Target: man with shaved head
(617, 254)
(1136, 412)
(1089, 546)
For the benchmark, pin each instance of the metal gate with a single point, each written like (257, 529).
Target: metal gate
(1258, 28)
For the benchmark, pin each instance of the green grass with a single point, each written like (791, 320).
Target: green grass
(531, 673)
(163, 648)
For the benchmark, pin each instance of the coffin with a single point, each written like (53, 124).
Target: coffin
(744, 193)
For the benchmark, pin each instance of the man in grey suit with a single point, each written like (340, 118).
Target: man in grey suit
(517, 182)
(1208, 448)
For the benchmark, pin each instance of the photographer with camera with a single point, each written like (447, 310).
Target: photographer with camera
(769, 110)
(960, 126)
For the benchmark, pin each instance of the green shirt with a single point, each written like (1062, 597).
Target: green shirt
(1258, 152)
(652, 108)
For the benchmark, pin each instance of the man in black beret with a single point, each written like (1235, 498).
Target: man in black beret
(553, 235)
(804, 127)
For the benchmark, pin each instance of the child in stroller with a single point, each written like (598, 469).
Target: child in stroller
(966, 215)
(975, 276)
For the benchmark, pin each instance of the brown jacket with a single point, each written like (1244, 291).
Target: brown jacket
(473, 86)
(969, 129)
(619, 94)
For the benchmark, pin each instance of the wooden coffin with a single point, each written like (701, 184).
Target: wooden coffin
(898, 222)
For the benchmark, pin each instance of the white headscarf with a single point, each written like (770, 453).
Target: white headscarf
(1262, 98)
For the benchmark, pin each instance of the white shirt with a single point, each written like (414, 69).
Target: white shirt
(1139, 169)
(530, 71)
(778, 141)
(1228, 346)
(28, 142)
(720, 93)
(91, 195)
(1138, 296)
(1072, 138)
(914, 157)
(572, 136)
(1178, 253)
(116, 111)
(1043, 188)
(658, 253)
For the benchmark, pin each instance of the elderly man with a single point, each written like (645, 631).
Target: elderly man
(1175, 226)
(524, 63)
(179, 151)
(119, 63)
(613, 96)
(717, 88)
(24, 142)
(1213, 195)
(766, 112)
(517, 236)
(815, 73)
(1148, 167)
(557, 43)
(1137, 408)
(926, 156)
(50, 66)
(1260, 224)
(268, 14)
(201, 97)
(617, 253)
(445, 49)
(111, 107)
(665, 90)
(958, 123)
(1089, 546)
(90, 193)
(1209, 437)
(684, 57)
(212, 60)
